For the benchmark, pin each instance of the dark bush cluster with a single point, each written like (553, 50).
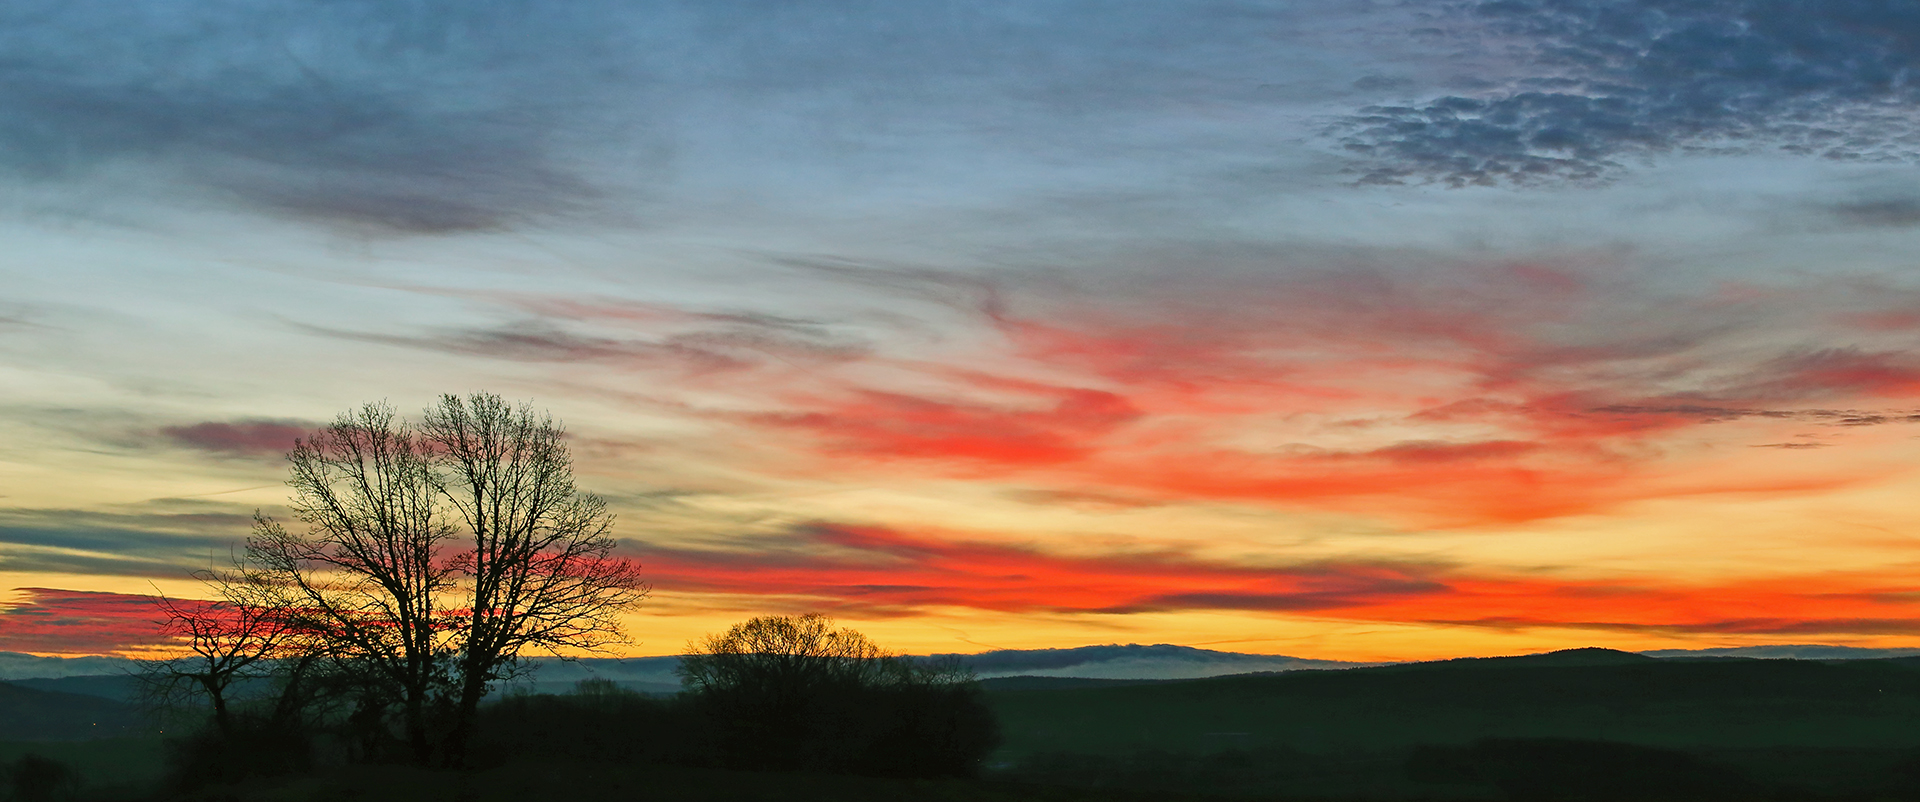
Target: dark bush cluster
(252, 746)
(796, 693)
(772, 694)
(909, 729)
(915, 731)
(33, 778)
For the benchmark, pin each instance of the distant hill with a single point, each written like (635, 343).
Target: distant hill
(118, 687)
(1133, 661)
(1586, 693)
(97, 675)
(27, 714)
(14, 665)
(1456, 729)
(1117, 662)
(1789, 652)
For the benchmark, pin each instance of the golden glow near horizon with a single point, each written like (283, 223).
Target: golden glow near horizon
(974, 351)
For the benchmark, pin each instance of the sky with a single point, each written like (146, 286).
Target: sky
(1330, 328)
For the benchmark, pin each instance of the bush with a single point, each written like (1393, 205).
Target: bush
(256, 747)
(33, 778)
(773, 694)
(793, 693)
(598, 722)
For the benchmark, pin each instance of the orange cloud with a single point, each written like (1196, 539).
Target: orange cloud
(879, 571)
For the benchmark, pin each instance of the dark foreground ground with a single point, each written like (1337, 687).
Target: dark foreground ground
(1582, 725)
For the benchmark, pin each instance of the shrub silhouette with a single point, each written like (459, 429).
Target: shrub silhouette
(773, 693)
(597, 722)
(33, 778)
(250, 746)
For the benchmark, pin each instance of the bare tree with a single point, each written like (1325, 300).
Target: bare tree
(230, 643)
(434, 555)
(368, 575)
(538, 571)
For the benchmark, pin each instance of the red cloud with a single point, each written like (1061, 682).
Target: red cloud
(895, 425)
(877, 571)
(1511, 392)
(50, 621)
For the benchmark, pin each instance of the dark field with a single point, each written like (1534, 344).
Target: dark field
(1583, 725)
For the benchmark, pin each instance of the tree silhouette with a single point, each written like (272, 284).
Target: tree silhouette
(230, 641)
(794, 692)
(433, 556)
(536, 573)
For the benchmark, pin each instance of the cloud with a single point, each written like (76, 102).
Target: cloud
(1878, 213)
(447, 116)
(881, 570)
(48, 621)
(241, 438)
(873, 570)
(894, 425)
(1606, 84)
(431, 119)
(631, 335)
(158, 540)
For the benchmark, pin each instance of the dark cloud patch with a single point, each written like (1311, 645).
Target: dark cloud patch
(1613, 83)
(1726, 626)
(1881, 213)
(735, 344)
(1712, 414)
(435, 116)
(240, 438)
(155, 540)
(1792, 446)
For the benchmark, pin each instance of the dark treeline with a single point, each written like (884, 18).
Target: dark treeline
(883, 732)
(774, 693)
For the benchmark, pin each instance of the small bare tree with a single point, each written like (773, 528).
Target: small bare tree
(230, 643)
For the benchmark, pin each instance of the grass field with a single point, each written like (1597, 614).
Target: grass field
(1675, 704)
(113, 768)
(1457, 730)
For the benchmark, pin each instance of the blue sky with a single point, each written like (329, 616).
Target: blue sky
(1356, 330)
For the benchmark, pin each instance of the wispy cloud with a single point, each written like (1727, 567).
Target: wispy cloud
(250, 438)
(168, 540)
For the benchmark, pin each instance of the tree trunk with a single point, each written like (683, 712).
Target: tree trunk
(222, 720)
(473, 688)
(417, 738)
